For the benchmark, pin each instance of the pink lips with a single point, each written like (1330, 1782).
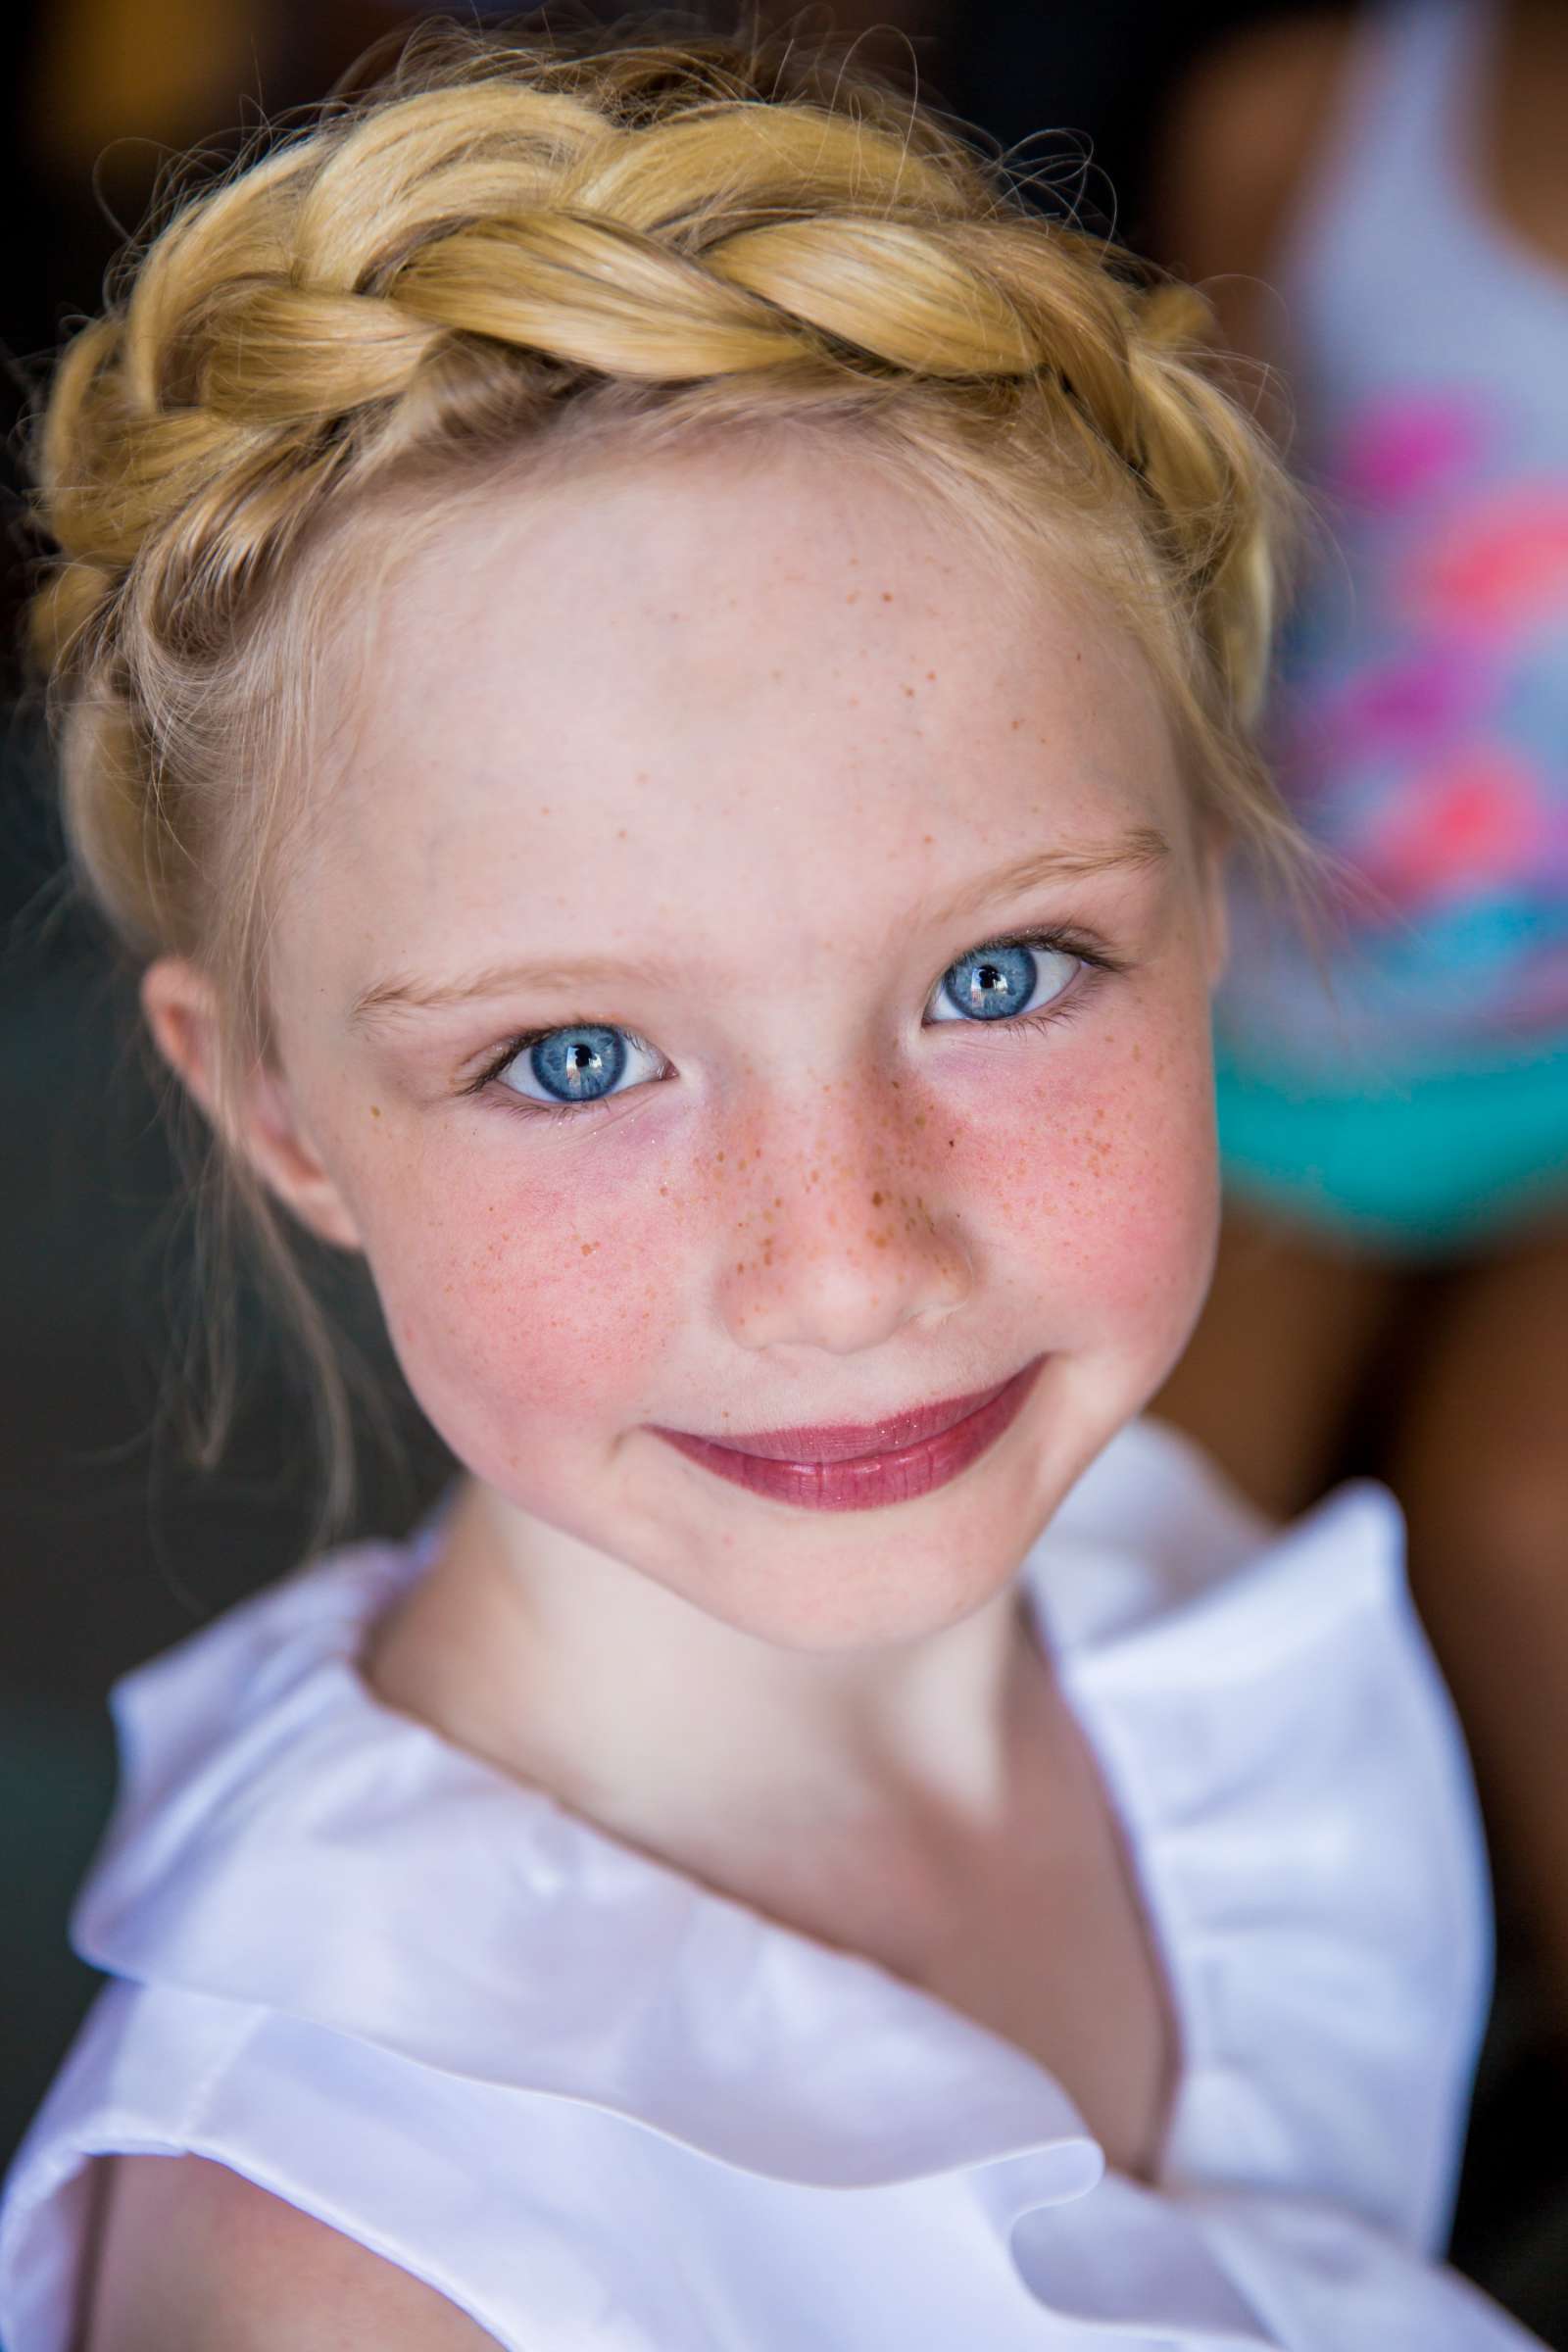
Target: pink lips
(860, 1466)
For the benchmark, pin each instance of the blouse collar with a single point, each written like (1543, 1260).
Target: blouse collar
(467, 1921)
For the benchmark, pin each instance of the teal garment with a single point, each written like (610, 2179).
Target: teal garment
(1428, 1165)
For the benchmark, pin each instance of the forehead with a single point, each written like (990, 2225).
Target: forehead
(765, 688)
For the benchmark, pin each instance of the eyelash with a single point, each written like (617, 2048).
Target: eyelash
(1099, 964)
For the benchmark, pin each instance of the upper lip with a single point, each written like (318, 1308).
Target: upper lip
(844, 1441)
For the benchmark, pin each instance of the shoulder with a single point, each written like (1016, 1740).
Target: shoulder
(190, 2254)
(1238, 143)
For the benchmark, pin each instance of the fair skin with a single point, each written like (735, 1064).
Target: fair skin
(1478, 1420)
(772, 770)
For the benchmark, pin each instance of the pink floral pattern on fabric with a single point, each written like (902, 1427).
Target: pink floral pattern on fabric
(1421, 736)
(1409, 706)
(1478, 820)
(1501, 565)
(1399, 450)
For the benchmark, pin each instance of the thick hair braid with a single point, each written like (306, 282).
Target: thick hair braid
(317, 287)
(493, 230)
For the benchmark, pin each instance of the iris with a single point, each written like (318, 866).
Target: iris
(990, 982)
(578, 1065)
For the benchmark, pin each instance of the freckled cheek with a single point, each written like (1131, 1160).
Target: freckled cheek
(1152, 1225)
(515, 1311)
(1101, 1186)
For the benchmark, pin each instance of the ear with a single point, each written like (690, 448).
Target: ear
(260, 1122)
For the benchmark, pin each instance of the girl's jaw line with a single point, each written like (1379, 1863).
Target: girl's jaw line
(853, 1468)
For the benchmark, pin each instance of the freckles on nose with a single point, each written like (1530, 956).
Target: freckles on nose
(846, 1196)
(766, 1234)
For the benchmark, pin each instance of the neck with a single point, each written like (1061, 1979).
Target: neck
(574, 1673)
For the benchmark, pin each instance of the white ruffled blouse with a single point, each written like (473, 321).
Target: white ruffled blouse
(605, 2109)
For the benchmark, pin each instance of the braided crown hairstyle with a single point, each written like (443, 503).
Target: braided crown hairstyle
(502, 244)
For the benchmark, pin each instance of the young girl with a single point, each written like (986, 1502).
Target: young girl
(659, 676)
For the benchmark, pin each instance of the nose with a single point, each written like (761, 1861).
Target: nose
(839, 1244)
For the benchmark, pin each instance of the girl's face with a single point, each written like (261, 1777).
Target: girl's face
(751, 975)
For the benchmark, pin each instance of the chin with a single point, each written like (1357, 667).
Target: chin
(838, 1581)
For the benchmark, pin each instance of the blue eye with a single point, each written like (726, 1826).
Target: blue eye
(580, 1064)
(997, 983)
(587, 1061)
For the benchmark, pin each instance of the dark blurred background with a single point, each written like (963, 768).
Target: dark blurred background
(111, 1545)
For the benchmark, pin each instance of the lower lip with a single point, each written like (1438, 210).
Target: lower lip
(866, 1481)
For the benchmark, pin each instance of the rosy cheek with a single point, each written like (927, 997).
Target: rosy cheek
(1095, 1173)
(519, 1309)
(1150, 1186)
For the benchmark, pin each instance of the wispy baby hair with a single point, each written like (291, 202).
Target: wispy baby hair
(506, 244)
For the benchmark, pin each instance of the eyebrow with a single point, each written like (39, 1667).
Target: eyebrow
(1141, 847)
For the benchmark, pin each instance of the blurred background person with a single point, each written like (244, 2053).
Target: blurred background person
(1378, 203)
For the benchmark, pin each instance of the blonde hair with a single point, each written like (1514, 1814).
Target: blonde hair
(504, 247)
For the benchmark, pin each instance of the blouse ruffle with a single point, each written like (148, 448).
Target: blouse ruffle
(599, 2104)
